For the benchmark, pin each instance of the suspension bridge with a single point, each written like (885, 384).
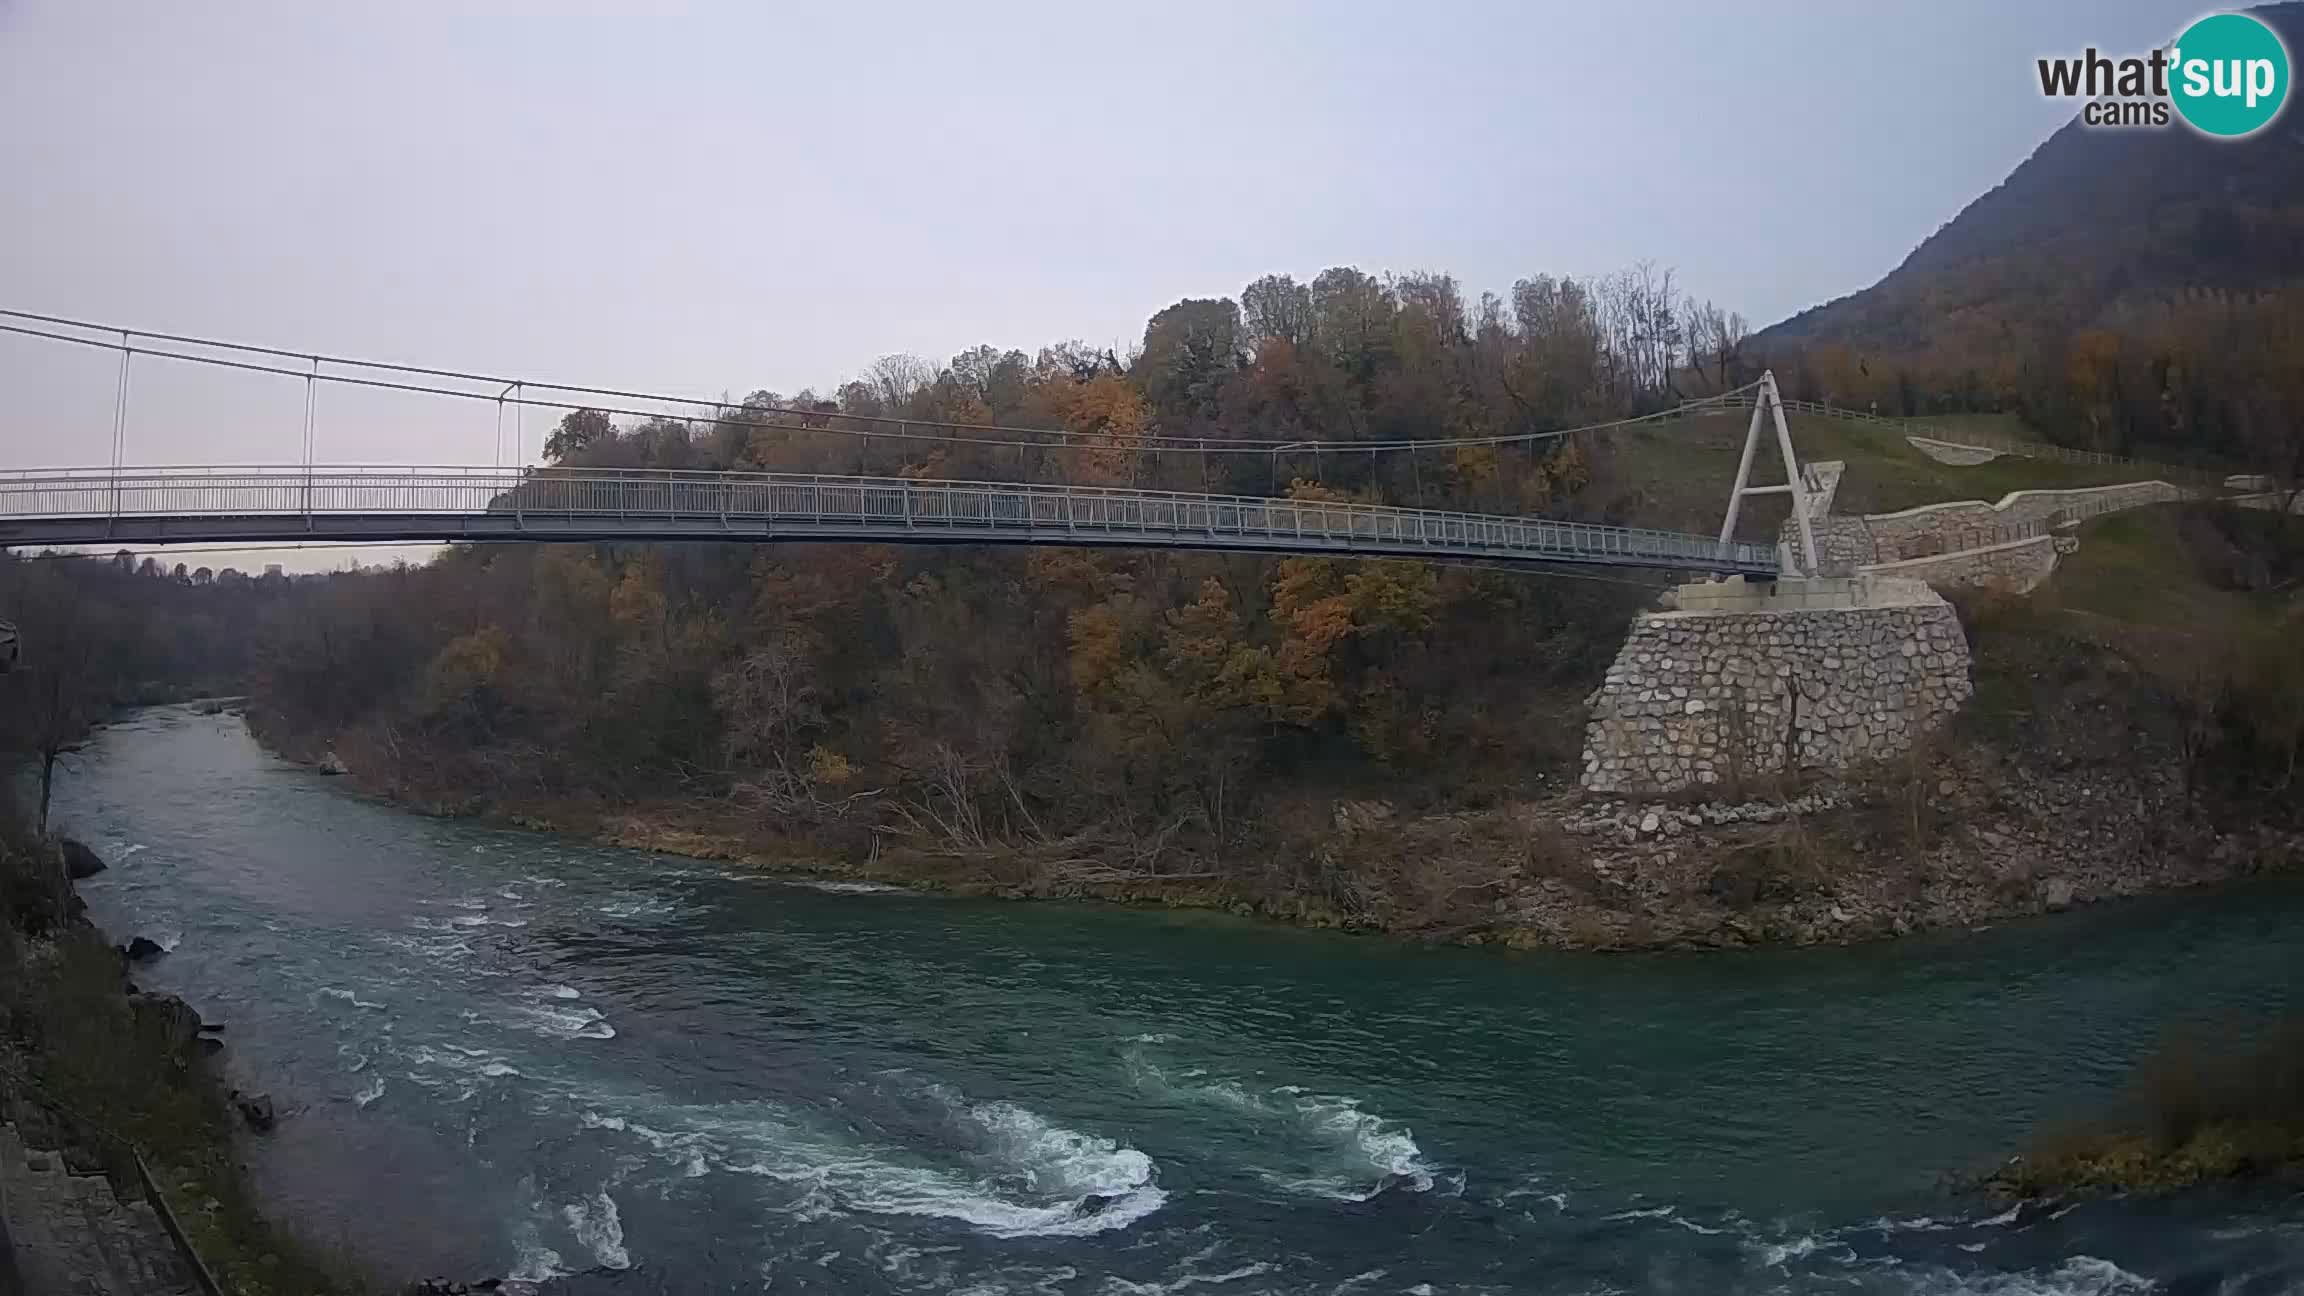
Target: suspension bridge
(122, 504)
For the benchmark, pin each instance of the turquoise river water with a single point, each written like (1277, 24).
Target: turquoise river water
(499, 1052)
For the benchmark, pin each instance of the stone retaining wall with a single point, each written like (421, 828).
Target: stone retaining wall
(1845, 544)
(1702, 697)
(2017, 566)
(1968, 524)
(1842, 543)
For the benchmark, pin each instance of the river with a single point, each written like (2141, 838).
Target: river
(501, 1052)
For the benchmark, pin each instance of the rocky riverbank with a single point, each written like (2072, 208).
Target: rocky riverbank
(100, 1078)
(2073, 776)
(2197, 1112)
(1965, 836)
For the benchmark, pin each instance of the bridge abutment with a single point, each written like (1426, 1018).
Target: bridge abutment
(1740, 680)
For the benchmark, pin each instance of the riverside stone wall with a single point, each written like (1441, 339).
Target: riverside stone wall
(1702, 697)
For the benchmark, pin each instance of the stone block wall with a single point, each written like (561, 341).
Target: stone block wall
(1701, 697)
(1942, 528)
(1842, 543)
(1847, 543)
(2016, 567)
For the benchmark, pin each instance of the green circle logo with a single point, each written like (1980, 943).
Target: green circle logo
(2228, 74)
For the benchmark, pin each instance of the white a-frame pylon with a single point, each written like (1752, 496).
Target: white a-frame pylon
(1765, 404)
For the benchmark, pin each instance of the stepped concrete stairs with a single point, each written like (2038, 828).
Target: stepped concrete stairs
(63, 1233)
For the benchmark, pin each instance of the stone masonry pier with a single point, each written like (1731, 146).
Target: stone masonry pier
(1738, 679)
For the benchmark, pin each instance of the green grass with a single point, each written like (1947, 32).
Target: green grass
(2138, 568)
(1676, 474)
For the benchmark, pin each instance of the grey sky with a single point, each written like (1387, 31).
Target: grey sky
(716, 198)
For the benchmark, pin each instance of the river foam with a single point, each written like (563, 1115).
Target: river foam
(1005, 1170)
(564, 1023)
(351, 997)
(2080, 1275)
(1323, 1145)
(597, 1224)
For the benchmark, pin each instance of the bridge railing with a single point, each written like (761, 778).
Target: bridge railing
(756, 503)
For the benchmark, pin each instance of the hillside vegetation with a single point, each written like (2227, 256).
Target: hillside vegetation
(1676, 474)
(2127, 290)
(1060, 721)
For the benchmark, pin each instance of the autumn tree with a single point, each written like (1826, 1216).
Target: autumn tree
(577, 432)
(1190, 348)
(1108, 420)
(1276, 308)
(1352, 320)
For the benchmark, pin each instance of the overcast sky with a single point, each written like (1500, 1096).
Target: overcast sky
(723, 197)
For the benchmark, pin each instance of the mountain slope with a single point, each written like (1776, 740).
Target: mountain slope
(2095, 225)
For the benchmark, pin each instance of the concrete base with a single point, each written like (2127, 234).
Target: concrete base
(1799, 594)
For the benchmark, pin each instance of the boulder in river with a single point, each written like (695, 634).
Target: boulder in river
(143, 948)
(175, 1020)
(79, 861)
(2056, 894)
(331, 763)
(256, 1109)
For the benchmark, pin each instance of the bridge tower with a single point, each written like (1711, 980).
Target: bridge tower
(1766, 404)
(1731, 678)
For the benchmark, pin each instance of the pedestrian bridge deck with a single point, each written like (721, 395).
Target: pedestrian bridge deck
(166, 505)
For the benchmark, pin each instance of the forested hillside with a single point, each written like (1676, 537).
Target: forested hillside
(2132, 290)
(98, 634)
(1050, 719)
(1166, 709)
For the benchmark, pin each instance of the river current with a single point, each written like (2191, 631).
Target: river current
(500, 1052)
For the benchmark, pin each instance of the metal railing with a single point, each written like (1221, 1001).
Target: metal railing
(96, 506)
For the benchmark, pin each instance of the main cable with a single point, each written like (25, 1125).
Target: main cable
(749, 415)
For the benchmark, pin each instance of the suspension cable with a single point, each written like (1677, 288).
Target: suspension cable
(770, 416)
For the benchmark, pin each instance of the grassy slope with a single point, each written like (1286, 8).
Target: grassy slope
(2008, 427)
(1676, 474)
(2137, 568)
